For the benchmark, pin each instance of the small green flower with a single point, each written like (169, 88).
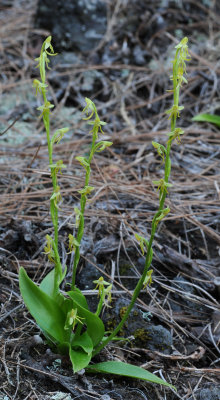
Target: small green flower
(97, 125)
(57, 167)
(83, 161)
(143, 243)
(73, 243)
(183, 50)
(148, 280)
(100, 285)
(175, 135)
(43, 60)
(90, 110)
(48, 249)
(78, 216)
(174, 111)
(90, 107)
(58, 135)
(162, 186)
(102, 145)
(45, 108)
(72, 319)
(39, 86)
(161, 214)
(160, 149)
(86, 190)
(56, 197)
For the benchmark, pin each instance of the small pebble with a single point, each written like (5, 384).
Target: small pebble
(105, 397)
(37, 339)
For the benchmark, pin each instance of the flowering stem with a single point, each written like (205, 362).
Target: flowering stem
(178, 70)
(82, 210)
(86, 162)
(41, 87)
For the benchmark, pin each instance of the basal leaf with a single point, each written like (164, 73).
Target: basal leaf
(214, 119)
(84, 341)
(45, 310)
(79, 359)
(47, 283)
(79, 297)
(124, 369)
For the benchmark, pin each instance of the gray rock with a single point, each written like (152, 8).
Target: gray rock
(146, 334)
(74, 25)
(208, 392)
(154, 337)
(182, 298)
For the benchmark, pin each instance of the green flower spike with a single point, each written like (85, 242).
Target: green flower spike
(183, 49)
(43, 60)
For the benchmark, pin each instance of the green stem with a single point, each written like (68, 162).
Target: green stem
(82, 210)
(53, 208)
(101, 301)
(154, 222)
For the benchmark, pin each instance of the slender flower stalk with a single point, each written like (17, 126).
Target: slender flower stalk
(179, 68)
(45, 109)
(97, 124)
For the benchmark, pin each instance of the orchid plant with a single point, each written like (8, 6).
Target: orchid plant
(65, 318)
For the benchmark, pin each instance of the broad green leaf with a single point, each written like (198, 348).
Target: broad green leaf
(79, 297)
(95, 326)
(84, 341)
(45, 310)
(124, 369)
(47, 283)
(79, 359)
(214, 119)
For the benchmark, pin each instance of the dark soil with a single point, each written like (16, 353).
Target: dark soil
(119, 54)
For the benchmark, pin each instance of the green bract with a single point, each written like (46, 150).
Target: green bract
(65, 318)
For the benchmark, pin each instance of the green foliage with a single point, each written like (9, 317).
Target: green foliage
(65, 319)
(121, 368)
(213, 119)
